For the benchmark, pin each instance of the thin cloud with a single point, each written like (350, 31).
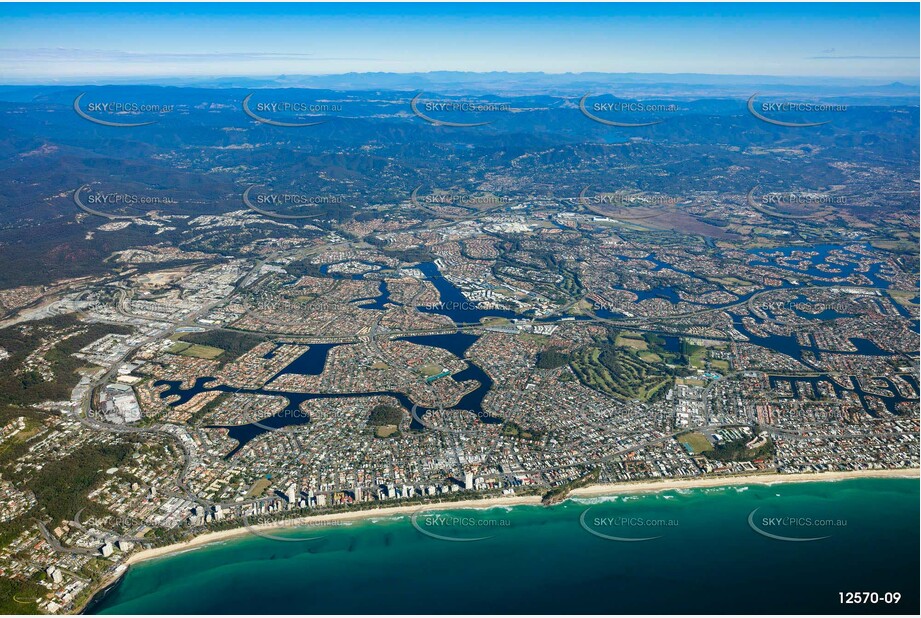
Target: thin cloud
(97, 55)
(864, 57)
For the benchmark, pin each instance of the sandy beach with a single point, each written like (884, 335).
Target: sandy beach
(727, 481)
(611, 489)
(319, 520)
(505, 501)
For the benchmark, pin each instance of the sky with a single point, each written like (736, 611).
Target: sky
(47, 43)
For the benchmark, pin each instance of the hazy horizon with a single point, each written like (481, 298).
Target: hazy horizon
(80, 43)
(677, 78)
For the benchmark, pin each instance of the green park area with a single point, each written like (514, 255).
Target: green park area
(695, 442)
(183, 348)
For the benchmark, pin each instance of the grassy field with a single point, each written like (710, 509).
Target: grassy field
(32, 428)
(899, 246)
(696, 355)
(697, 442)
(517, 431)
(258, 488)
(730, 281)
(580, 308)
(618, 373)
(429, 370)
(904, 298)
(178, 347)
(632, 340)
(232, 344)
(696, 360)
(385, 431)
(532, 337)
(183, 348)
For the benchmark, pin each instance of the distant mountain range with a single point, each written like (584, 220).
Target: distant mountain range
(677, 85)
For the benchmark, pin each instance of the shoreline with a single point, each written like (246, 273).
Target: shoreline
(308, 520)
(598, 490)
(609, 489)
(764, 478)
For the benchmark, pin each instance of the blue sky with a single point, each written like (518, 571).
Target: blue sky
(48, 42)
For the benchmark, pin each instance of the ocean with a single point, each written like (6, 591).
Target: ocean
(784, 548)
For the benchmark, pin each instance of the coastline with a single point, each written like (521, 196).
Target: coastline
(223, 535)
(501, 501)
(598, 490)
(768, 478)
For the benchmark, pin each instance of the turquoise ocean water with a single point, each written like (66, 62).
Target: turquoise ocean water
(703, 554)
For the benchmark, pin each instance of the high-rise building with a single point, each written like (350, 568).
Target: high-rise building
(124, 545)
